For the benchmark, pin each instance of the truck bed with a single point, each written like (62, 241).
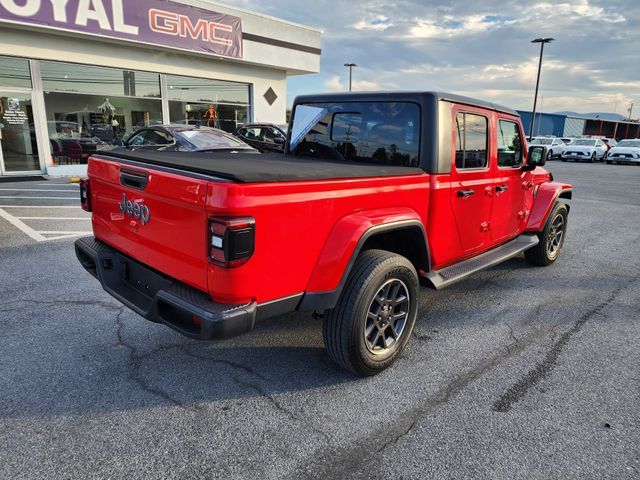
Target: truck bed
(256, 168)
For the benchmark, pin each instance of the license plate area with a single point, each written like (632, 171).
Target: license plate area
(142, 279)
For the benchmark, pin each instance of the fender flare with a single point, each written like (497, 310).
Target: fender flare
(547, 195)
(322, 299)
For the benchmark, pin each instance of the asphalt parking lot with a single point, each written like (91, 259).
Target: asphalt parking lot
(518, 372)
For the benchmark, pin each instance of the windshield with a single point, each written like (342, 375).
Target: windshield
(211, 140)
(369, 132)
(589, 143)
(542, 141)
(628, 143)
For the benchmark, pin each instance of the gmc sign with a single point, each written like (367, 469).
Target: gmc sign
(156, 22)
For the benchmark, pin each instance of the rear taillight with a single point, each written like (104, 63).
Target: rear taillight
(85, 194)
(231, 240)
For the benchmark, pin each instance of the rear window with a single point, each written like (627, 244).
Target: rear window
(385, 133)
(210, 139)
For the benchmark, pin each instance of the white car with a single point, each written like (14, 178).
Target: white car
(627, 151)
(585, 149)
(555, 146)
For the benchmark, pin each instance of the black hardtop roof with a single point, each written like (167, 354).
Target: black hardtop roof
(402, 96)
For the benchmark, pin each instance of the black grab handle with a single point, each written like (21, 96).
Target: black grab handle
(134, 179)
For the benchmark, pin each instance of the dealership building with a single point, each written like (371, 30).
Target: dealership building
(78, 76)
(560, 125)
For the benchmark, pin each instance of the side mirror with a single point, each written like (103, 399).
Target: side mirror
(279, 141)
(537, 154)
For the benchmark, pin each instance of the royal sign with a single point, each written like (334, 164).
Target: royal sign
(155, 22)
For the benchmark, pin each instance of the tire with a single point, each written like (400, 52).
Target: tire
(593, 157)
(345, 328)
(549, 156)
(609, 162)
(548, 250)
(563, 159)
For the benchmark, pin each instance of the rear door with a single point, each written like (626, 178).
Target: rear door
(158, 218)
(471, 180)
(512, 187)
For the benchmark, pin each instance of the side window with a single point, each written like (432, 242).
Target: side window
(269, 135)
(155, 137)
(471, 141)
(252, 133)
(509, 144)
(137, 139)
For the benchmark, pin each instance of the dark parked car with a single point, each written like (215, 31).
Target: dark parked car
(184, 138)
(263, 136)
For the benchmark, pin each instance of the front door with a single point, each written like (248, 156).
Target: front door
(471, 180)
(513, 187)
(18, 144)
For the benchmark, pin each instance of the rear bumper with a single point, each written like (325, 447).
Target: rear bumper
(161, 299)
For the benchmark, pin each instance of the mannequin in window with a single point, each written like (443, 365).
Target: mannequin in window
(109, 116)
(211, 116)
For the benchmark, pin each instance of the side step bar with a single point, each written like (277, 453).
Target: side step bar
(454, 273)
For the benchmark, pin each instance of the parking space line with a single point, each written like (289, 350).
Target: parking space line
(40, 206)
(23, 227)
(69, 236)
(14, 197)
(35, 190)
(53, 218)
(55, 232)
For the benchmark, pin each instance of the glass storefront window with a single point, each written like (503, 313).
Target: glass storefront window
(94, 108)
(86, 123)
(202, 90)
(18, 146)
(14, 72)
(69, 77)
(224, 117)
(213, 103)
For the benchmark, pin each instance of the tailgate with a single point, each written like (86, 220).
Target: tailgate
(158, 218)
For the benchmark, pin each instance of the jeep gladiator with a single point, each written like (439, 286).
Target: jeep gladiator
(375, 195)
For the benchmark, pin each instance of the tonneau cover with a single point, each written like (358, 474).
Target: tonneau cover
(253, 168)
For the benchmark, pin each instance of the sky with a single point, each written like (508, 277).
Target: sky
(476, 48)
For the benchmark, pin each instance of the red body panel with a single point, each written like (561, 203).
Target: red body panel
(546, 196)
(294, 221)
(174, 240)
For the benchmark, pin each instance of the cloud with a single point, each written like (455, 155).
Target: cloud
(450, 26)
(378, 23)
(480, 49)
(336, 84)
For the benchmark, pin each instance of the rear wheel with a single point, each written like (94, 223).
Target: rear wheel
(609, 162)
(551, 238)
(375, 314)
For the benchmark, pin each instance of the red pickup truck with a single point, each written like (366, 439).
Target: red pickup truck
(375, 195)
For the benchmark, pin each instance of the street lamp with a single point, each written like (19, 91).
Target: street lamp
(350, 65)
(541, 41)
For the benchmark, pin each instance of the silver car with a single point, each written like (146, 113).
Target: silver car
(585, 149)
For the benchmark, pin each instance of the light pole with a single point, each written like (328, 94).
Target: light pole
(350, 65)
(541, 41)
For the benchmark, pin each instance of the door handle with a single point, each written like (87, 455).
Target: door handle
(501, 188)
(465, 193)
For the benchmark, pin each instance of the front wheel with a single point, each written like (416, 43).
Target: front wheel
(593, 157)
(551, 238)
(375, 314)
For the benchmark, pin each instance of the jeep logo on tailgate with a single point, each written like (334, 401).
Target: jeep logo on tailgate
(136, 210)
